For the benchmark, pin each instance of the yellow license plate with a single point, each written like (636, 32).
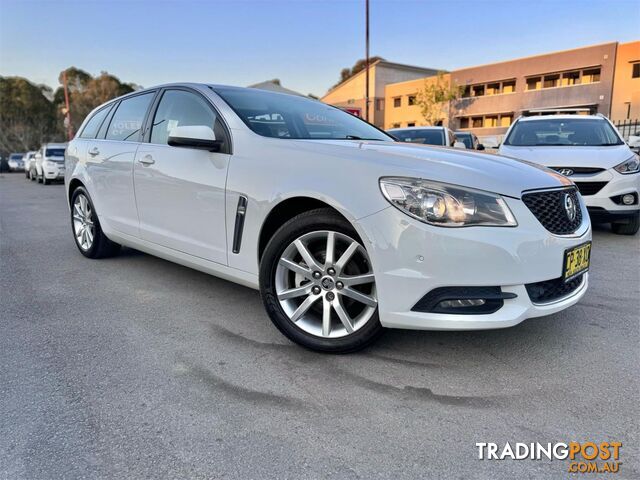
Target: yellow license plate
(576, 261)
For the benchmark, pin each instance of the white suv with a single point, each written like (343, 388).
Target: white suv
(343, 230)
(590, 151)
(50, 163)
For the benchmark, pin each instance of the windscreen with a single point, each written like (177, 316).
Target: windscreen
(563, 132)
(290, 117)
(54, 152)
(427, 136)
(466, 139)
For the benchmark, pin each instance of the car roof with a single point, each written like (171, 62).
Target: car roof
(415, 128)
(538, 118)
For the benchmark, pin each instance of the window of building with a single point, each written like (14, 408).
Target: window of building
(127, 121)
(351, 101)
(570, 78)
(506, 120)
(464, 123)
(478, 90)
(493, 89)
(491, 121)
(395, 125)
(509, 86)
(380, 104)
(411, 124)
(466, 92)
(591, 76)
(412, 99)
(476, 122)
(534, 83)
(635, 72)
(397, 102)
(551, 81)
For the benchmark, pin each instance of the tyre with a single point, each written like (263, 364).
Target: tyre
(629, 228)
(85, 226)
(317, 284)
(44, 180)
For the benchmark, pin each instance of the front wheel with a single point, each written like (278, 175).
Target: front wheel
(317, 284)
(629, 228)
(89, 237)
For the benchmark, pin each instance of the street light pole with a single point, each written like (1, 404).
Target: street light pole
(366, 91)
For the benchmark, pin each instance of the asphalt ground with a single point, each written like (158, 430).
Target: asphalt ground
(135, 367)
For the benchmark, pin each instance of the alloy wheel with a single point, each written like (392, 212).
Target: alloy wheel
(325, 284)
(83, 226)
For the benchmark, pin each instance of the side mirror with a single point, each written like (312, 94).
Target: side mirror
(480, 147)
(459, 145)
(194, 136)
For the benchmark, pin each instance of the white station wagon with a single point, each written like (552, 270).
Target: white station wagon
(343, 230)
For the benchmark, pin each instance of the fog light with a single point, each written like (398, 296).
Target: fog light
(628, 199)
(461, 303)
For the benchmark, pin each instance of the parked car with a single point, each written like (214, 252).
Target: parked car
(343, 230)
(441, 136)
(634, 141)
(30, 165)
(15, 162)
(590, 151)
(470, 140)
(50, 163)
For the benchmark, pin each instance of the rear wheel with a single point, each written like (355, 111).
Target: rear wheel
(629, 228)
(88, 235)
(318, 286)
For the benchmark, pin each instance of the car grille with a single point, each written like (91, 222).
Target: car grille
(590, 188)
(582, 170)
(548, 208)
(551, 290)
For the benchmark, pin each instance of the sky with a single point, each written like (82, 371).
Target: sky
(304, 43)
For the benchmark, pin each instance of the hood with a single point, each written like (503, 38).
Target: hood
(600, 157)
(482, 171)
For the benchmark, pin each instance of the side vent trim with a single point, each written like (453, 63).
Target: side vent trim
(241, 212)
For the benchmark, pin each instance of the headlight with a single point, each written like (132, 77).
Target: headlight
(629, 166)
(446, 205)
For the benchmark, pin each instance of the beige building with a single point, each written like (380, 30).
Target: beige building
(351, 93)
(601, 78)
(401, 101)
(625, 103)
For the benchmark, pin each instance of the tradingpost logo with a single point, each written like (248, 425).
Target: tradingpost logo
(583, 457)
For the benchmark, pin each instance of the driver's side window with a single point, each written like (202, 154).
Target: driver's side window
(178, 108)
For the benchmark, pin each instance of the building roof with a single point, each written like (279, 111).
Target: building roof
(385, 63)
(274, 86)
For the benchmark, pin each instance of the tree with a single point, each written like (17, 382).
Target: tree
(27, 117)
(347, 73)
(435, 96)
(86, 93)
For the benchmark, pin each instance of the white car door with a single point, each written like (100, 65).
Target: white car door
(180, 191)
(110, 159)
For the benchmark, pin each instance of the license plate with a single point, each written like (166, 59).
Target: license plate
(576, 261)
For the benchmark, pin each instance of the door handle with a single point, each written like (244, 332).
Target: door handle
(147, 160)
(94, 151)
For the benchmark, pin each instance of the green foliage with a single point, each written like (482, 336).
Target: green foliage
(31, 115)
(434, 98)
(27, 117)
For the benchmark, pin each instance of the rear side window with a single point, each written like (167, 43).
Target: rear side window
(127, 121)
(91, 128)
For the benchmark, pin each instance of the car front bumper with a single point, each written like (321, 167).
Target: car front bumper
(411, 259)
(602, 207)
(53, 172)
